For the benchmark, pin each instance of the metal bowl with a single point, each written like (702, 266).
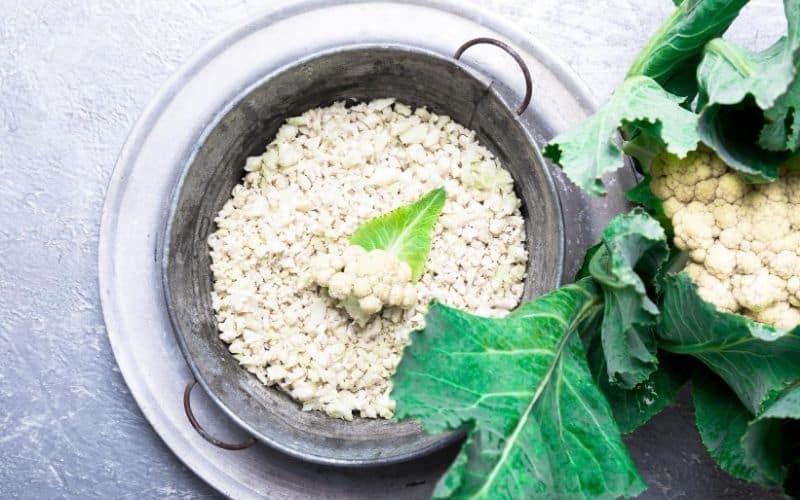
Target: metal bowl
(353, 73)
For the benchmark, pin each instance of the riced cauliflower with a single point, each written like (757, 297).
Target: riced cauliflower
(743, 239)
(327, 171)
(364, 282)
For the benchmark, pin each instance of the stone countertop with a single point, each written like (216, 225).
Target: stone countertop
(74, 77)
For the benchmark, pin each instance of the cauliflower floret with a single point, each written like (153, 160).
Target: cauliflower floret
(712, 289)
(659, 187)
(793, 287)
(781, 315)
(792, 180)
(770, 223)
(694, 228)
(743, 240)
(365, 281)
(790, 242)
(731, 188)
(726, 216)
(720, 261)
(672, 206)
(706, 191)
(774, 191)
(731, 238)
(747, 262)
(759, 291)
(786, 264)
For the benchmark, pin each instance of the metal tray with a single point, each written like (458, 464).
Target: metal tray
(167, 135)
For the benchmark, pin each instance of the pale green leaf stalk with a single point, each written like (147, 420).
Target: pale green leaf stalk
(404, 232)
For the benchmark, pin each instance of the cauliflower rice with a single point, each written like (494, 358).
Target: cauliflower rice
(327, 171)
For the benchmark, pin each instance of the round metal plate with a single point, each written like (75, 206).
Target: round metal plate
(166, 136)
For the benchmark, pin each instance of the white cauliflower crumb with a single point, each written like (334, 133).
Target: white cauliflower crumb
(326, 172)
(743, 240)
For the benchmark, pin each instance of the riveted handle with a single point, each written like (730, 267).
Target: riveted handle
(187, 407)
(526, 100)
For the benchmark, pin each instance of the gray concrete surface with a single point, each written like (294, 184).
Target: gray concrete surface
(74, 76)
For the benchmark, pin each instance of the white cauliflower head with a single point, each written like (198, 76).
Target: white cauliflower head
(365, 281)
(743, 240)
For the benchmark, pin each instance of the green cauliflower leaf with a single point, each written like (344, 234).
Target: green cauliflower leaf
(633, 251)
(589, 151)
(757, 361)
(754, 448)
(537, 426)
(673, 52)
(634, 407)
(782, 130)
(748, 101)
(733, 133)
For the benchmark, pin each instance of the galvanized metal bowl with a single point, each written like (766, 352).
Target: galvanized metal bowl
(354, 73)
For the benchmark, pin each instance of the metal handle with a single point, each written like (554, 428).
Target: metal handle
(513, 53)
(187, 406)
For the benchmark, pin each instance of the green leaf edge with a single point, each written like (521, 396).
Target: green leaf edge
(429, 208)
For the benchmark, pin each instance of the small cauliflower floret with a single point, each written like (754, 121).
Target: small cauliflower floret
(323, 267)
(793, 287)
(362, 286)
(747, 262)
(774, 191)
(731, 188)
(672, 207)
(694, 227)
(370, 304)
(698, 255)
(365, 281)
(720, 261)
(790, 242)
(726, 215)
(781, 315)
(731, 238)
(706, 191)
(683, 193)
(758, 291)
(718, 167)
(785, 264)
(792, 180)
(339, 286)
(712, 289)
(659, 187)
(770, 223)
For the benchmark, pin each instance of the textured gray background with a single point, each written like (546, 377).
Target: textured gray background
(74, 76)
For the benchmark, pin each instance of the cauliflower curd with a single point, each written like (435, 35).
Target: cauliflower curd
(743, 240)
(365, 281)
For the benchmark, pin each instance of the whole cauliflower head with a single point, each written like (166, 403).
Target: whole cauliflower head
(364, 282)
(743, 240)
